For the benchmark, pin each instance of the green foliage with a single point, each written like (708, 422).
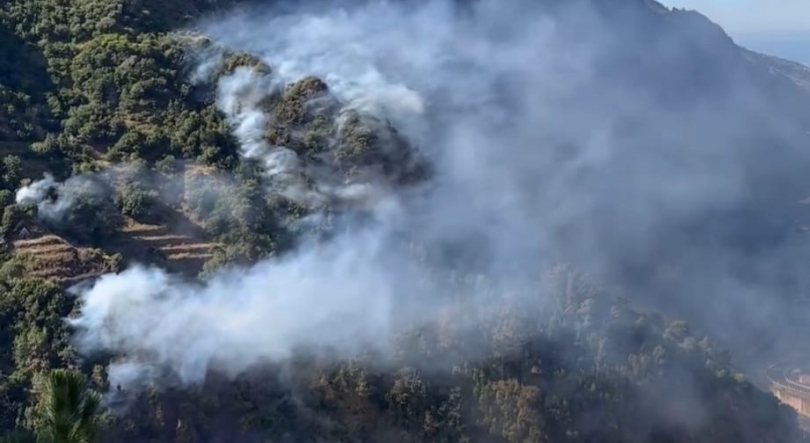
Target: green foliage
(92, 82)
(238, 215)
(140, 203)
(112, 89)
(33, 338)
(241, 60)
(68, 412)
(92, 217)
(12, 216)
(291, 106)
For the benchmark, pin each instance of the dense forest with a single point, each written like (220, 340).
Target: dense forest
(101, 96)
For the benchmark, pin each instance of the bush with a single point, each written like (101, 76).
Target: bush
(141, 204)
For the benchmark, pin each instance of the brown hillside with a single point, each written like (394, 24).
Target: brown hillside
(51, 257)
(176, 245)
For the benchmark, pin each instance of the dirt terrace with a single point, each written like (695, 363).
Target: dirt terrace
(52, 257)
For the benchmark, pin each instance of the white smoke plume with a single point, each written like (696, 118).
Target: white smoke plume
(551, 141)
(324, 298)
(239, 96)
(243, 96)
(66, 195)
(37, 191)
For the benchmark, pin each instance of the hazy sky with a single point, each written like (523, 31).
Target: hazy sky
(778, 27)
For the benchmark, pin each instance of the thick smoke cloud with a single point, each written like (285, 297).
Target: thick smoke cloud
(605, 136)
(326, 298)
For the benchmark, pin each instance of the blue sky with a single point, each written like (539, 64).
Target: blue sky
(778, 27)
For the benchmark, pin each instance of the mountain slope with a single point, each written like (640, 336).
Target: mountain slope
(796, 72)
(662, 157)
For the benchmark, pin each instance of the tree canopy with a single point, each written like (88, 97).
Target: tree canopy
(89, 84)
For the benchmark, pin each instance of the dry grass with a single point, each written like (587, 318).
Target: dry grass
(188, 256)
(52, 257)
(178, 243)
(44, 240)
(182, 250)
(199, 248)
(131, 226)
(197, 170)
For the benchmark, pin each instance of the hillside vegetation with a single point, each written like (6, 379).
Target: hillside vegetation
(93, 83)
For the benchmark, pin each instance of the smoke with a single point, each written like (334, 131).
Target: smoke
(256, 98)
(37, 191)
(617, 141)
(323, 298)
(54, 199)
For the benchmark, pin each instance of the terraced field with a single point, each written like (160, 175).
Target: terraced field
(49, 256)
(177, 245)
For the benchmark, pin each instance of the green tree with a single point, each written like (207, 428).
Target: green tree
(69, 410)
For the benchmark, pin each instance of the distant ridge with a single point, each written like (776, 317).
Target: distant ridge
(795, 71)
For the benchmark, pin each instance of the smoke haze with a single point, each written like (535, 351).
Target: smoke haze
(556, 133)
(66, 195)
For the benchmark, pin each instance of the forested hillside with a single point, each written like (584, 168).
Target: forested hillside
(123, 146)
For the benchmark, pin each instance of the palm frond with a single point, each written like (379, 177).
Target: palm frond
(70, 413)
